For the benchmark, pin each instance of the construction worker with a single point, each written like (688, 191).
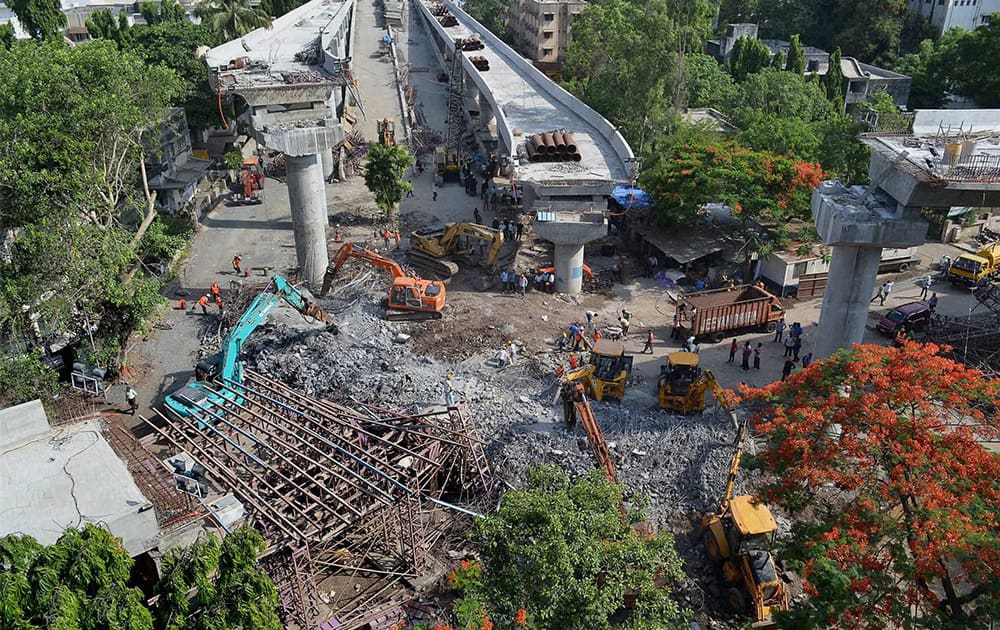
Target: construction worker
(215, 290)
(399, 239)
(203, 303)
(449, 391)
(237, 264)
(387, 236)
(597, 335)
(649, 342)
(560, 370)
(218, 302)
(132, 398)
(573, 362)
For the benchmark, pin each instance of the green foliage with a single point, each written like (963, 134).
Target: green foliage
(170, 43)
(796, 62)
(492, 14)
(972, 66)
(620, 61)
(781, 94)
(749, 57)
(757, 185)
(165, 11)
(234, 160)
(163, 238)
(929, 88)
(384, 171)
(70, 119)
(26, 378)
(231, 590)
(778, 62)
(7, 37)
(834, 81)
(561, 551)
(78, 582)
(231, 19)
(42, 19)
(706, 84)
(104, 25)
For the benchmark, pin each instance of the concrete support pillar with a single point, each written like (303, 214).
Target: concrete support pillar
(307, 198)
(849, 288)
(569, 268)
(486, 115)
(327, 158)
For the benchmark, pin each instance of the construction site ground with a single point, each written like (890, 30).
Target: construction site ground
(679, 462)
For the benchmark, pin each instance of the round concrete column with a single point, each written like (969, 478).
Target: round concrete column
(849, 289)
(327, 157)
(569, 267)
(307, 198)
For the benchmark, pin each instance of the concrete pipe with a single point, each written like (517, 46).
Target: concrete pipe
(532, 151)
(560, 141)
(570, 142)
(537, 143)
(550, 145)
(576, 157)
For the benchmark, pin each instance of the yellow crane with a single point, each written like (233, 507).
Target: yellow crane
(429, 245)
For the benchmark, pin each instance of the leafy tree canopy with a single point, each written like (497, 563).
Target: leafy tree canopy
(706, 84)
(384, 176)
(559, 555)
(231, 19)
(749, 57)
(159, 13)
(757, 185)
(42, 19)
(492, 14)
(621, 61)
(70, 121)
(876, 452)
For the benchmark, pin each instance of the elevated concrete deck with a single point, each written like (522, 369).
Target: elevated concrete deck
(524, 101)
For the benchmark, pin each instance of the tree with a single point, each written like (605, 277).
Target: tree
(170, 44)
(706, 84)
(7, 35)
(81, 582)
(492, 14)
(876, 452)
(232, 591)
(231, 19)
(782, 94)
(929, 88)
(561, 552)
(779, 60)
(41, 19)
(749, 57)
(796, 62)
(973, 70)
(70, 120)
(26, 378)
(834, 81)
(104, 25)
(621, 62)
(166, 11)
(78, 582)
(384, 176)
(757, 185)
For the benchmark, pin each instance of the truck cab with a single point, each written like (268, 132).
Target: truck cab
(974, 268)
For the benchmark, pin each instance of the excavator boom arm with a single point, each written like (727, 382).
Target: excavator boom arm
(742, 428)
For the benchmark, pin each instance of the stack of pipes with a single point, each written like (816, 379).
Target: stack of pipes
(552, 146)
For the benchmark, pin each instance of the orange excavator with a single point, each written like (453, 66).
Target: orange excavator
(411, 298)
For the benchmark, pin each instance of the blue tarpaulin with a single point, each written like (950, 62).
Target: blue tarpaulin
(630, 197)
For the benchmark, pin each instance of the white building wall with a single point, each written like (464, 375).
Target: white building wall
(948, 14)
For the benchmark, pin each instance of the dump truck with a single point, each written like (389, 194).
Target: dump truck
(974, 268)
(721, 312)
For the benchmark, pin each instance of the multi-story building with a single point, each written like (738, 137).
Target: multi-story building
(861, 80)
(945, 15)
(541, 30)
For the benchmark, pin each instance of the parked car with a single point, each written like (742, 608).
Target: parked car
(915, 316)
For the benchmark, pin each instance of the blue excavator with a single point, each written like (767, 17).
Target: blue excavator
(225, 366)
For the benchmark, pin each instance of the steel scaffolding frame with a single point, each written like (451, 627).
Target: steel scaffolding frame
(335, 490)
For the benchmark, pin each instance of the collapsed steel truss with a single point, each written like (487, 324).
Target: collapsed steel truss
(356, 491)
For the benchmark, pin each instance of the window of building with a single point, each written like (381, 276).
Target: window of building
(985, 19)
(547, 34)
(546, 52)
(548, 17)
(799, 269)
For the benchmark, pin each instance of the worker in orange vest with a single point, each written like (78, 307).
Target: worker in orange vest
(597, 335)
(218, 302)
(215, 290)
(573, 362)
(237, 264)
(399, 239)
(387, 236)
(559, 371)
(203, 303)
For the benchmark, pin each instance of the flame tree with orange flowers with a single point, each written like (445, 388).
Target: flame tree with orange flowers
(878, 456)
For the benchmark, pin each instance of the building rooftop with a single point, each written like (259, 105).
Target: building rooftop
(527, 107)
(60, 477)
(947, 145)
